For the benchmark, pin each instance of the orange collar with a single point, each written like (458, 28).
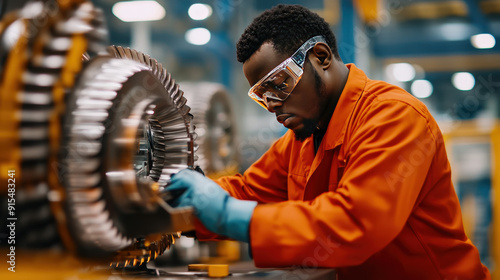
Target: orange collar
(354, 87)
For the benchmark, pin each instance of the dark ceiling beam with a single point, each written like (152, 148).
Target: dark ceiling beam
(429, 9)
(451, 63)
(424, 38)
(426, 48)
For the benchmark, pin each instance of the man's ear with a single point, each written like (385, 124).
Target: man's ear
(323, 54)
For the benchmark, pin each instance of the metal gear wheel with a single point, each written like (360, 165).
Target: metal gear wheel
(121, 122)
(170, 127)
(159, 147)
(143, 251)
(41, 48)
(47, 40)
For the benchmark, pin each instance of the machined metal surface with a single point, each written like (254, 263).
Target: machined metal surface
(168, 126)
(45, 69)
(117, 151)
(39, 61)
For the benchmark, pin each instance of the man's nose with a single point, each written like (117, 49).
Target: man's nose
(272, 104)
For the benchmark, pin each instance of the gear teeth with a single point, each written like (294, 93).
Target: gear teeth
(50, 39)
(158, 149)
(172, 136)
(144, 250)
(174, 123)
(90, 217)
(166, 142)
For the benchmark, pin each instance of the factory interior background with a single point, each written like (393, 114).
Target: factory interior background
(444, 52)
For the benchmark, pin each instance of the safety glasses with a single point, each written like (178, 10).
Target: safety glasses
(280, 82)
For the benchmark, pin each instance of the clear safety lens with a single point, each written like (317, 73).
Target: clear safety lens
(277, 85)
(281, 81)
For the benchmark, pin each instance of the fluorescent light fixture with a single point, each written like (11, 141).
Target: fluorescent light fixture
(421, 88)
(454, 31)
(483, 41)
(402, 72)
(130, 11)
(463, 81)
(199, 11)
(198, 36)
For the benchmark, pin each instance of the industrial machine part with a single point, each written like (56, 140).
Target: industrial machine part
(125, 136)
(218, 154)
(170, 127)
(92, 155)
(215, 125)
(42, 54)
(143, 251)
(41, 46)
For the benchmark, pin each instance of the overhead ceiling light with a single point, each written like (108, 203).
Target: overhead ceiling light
(454, 31)
(130, 11)
(402, 72)
(198, 36)
(199, 11)
(483, 41)
(463, 81)
(421, 88)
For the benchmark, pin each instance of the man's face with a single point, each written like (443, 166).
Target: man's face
(301, 111)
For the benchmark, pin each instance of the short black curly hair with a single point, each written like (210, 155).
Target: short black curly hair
(287, 27)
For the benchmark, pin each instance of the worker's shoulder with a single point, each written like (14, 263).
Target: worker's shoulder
(284, 141)
(377, 92)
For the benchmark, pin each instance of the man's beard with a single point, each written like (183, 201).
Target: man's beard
(308, 129)
(310, 125)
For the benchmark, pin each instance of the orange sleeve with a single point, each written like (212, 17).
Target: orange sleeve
(266, 180)
(384, 174)
(255, 184)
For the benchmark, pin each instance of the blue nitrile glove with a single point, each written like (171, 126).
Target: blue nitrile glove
(216, 209)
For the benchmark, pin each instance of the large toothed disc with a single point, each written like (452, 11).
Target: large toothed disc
(165, 128)
(124, 127)
(42, 45)
(40, 54)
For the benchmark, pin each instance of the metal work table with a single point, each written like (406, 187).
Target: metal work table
(63, 266)
(239, 270)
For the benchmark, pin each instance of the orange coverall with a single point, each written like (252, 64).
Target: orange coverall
(375, 202)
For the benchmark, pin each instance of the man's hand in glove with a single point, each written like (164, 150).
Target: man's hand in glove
(214, 207)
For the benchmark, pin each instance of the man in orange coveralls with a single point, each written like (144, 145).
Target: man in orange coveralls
(360, 182)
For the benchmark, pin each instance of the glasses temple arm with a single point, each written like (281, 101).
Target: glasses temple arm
(299, 57)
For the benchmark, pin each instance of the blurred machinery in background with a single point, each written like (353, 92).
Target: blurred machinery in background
(215, 126)
(474, 151)
(89, 138)
(218, 156)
